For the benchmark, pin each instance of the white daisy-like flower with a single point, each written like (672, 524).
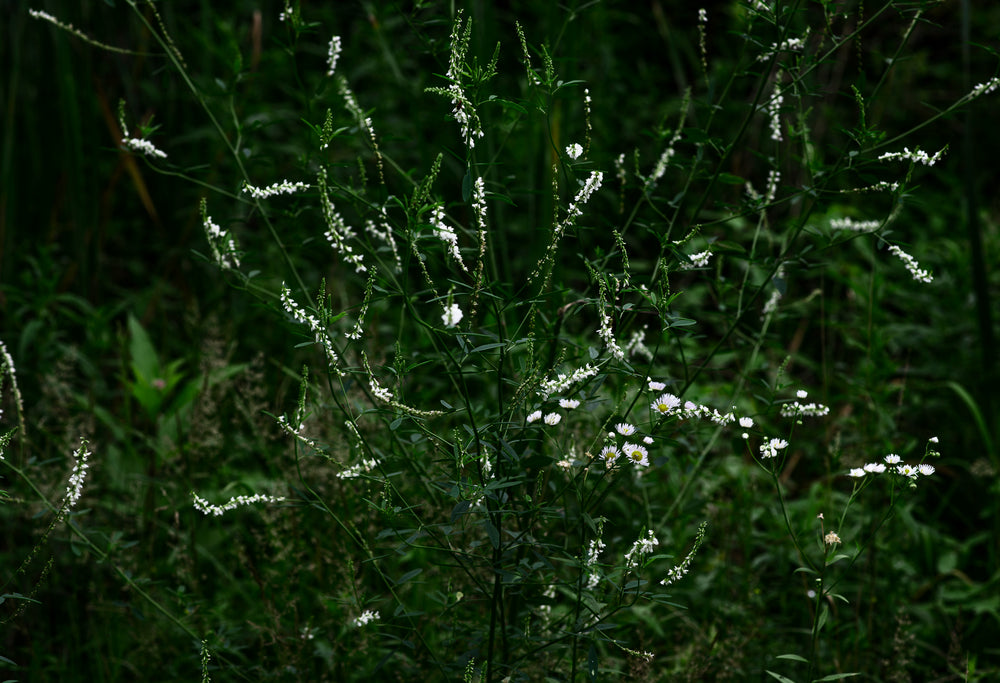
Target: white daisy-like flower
(892, 459)
(925, 469)
(856, 472)
(801, 393)
(875, 468)
(746, 422)
(625, 429)
(636, 454)
(648, 440)
(609, 454)
(654, 385)
(665, 404)
(537, 415)
(568, 403)
(908, 471)
(552, 419)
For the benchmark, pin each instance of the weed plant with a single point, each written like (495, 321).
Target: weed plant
(538, 371)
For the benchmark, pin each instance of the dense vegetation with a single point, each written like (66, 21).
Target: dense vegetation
(499, 341)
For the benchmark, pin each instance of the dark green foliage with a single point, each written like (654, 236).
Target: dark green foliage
(471, 531)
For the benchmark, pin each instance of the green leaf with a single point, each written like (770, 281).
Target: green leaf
(796, 658)
(783, 679)
(492, 532)
(145, 362)
(836, 677)
(409, 575)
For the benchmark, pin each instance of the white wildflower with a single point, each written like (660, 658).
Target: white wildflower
(769, 449)
(284, 187)
(636, 453)
(452, 315)
(75, 487)
(625, 429)
(665, 404)
(205, 507)
(366, 618)
(641, 548)
(143, 147)
(917, 156)
(911, 264)
(333, 54)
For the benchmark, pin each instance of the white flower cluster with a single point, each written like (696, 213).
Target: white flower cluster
(593, 552)
(205, 507)
(355, 471)
(479, 201)
(551, 419)
(284, 187)
(380, 391)
(796, 409)
(680, 570)
(7, 369)
(592, 185)
(44, 16)
(667, 404)
(144, 147)
(985, 88)
(774, 113)
(452, 315)
(222, 243)
(892, 463)
(770, 448)
(789, 45)
(296, 431)
(919, 274)
(608, 336)
(312, 322)
(853, 225)
(773, 176)
(642, 546)
(333, 54)
(918, 156)
(635, 346)
(699, 260)
(366, 618)
(446, 234)
(385, 234)
(574, 151)
(337, 233)
(771, 305)
(562, 382)
(462, 108)
(78, 476)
